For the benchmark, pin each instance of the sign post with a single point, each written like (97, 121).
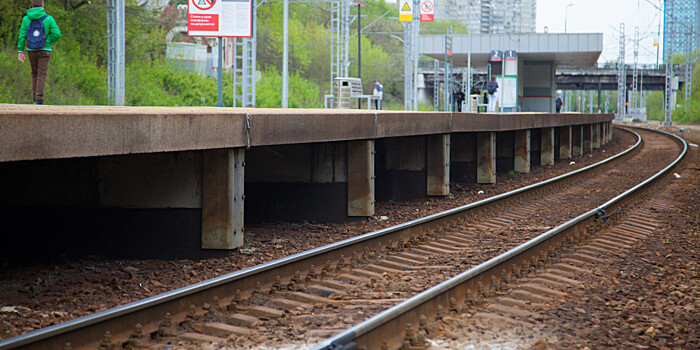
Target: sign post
(220, 18)
(448, 70)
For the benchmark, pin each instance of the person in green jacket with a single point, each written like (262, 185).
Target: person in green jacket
(38, 58)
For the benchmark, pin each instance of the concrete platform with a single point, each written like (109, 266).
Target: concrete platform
(156, 182)
(51, 132)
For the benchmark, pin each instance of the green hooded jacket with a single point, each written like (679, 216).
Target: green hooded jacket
(50, 28)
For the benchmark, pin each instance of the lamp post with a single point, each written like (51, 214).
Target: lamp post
(566, 15)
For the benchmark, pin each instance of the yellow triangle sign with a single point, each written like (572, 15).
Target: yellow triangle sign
(405, 7)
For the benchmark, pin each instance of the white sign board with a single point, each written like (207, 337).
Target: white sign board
(406, 10)
(427, 10)
(507, 91)
(216, 18)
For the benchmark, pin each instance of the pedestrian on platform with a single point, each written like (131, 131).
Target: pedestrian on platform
(459, 98)
(38, 33)
(492, 89)
(378, 93)
(558, 102)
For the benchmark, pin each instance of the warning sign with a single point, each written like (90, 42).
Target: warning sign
(427, 10)
(204, 4)
(405, 11)
(215, 18)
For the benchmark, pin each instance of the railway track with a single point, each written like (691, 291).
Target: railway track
(300, 300)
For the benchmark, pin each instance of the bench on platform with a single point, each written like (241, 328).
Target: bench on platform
(351, 87)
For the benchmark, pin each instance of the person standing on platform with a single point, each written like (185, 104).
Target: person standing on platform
(458, 98)
(558, 102)
(377, 93)
(492, 89)
(38, 32)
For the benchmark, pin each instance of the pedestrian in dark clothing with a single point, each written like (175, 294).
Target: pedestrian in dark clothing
(44, 33)
(558, 102)
(459, 98)
(492, 90)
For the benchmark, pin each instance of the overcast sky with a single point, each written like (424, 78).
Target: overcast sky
(605, 16)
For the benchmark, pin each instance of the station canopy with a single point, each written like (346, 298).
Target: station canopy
(572, 50)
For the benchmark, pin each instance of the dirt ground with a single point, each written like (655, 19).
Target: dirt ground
(647, 298)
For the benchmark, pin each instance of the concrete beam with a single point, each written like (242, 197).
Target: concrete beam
(577, 140)
(565, 142)
(521, 159)
(223, 177)
(463, 158)
(361, 178)
(547, 148)
(596, 135)
(54, 132)
(587, 138)
(401, 168)
(438, 165)
(486, 158)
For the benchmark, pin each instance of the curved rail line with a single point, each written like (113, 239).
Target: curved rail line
(383, 327)
(89, 330)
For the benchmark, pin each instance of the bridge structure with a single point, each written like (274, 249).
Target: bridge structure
(148, 182)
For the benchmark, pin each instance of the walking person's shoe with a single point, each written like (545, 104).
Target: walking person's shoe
(38, 102)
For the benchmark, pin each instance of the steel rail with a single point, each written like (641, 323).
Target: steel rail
(441, 293)
(149, 312)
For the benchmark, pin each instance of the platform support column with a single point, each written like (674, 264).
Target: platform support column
(603, 134)
(610, 131)
(223, 174)
(486, 158)
(577, 140)
(547, 147)
(438, 165)
(565, 142)
(521, 156)
(361, 178)
(596, 136)
(587, 138)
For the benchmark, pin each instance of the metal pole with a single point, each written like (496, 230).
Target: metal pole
(469, 66)
(116, 81)
(359, 50)
(219, 72)
(416, 36)
(285, 55)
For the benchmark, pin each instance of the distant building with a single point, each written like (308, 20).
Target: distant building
(490, 16)
(686, 15)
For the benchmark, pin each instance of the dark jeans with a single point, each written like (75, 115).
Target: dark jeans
(377, 104)
(39, 61)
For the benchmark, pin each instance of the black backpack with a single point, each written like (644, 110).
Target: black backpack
(492, 88)
(36, 35)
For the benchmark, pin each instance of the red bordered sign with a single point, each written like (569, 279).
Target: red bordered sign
(220, 18)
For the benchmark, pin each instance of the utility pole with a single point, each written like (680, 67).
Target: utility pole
(359, 46)
(285, 54)
(635, 73)
(407, 65)
(416, 51)
(244, 64)
(688, 67)
(116, 62)
(621, 76)
(668, 49)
